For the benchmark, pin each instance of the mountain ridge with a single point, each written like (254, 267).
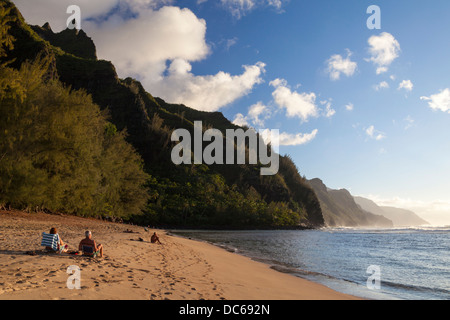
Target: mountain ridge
(340, 209)
(400, 217)
(196, 195)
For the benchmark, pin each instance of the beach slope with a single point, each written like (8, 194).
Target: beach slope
(134, 268)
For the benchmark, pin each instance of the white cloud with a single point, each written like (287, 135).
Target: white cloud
(338, 65)
(240, 120)
(287, 139)
(439, 101)
(240, 8)
(137, 5)
(381, 85)
(406, 84)
(140, 46)
(256, 111)
(207, 93)
(276, 3)
(375, 134)
(370, 131)
(349, 107)
(40, 11)
(384, 49)
(154, 43)
(257, 114)
(328, 111)
(230, 42)
(301, 105)
(54, 11)
(381, 70)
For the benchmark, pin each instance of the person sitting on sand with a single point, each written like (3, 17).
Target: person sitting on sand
(155, 238)
(61, 243)
(88, 241)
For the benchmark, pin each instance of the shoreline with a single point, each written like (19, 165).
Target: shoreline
(179, 269)
(272, 264)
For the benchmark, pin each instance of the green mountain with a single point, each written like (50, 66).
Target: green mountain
(400, 217)
(187, 195)
(58, 150)
(340, 209)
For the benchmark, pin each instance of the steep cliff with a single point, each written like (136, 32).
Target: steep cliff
(400, 217)
(340, 209)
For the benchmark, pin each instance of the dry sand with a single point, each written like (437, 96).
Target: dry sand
(179, 269)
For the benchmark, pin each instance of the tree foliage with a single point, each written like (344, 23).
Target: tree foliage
(6, 40)
(58, 152)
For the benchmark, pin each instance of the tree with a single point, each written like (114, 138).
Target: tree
(58, 152)
(6, 40)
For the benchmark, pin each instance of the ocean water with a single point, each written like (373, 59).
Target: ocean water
(413, 263)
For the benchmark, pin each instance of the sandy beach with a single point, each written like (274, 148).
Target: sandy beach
(179, 269)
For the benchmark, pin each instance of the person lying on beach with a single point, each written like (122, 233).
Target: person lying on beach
(88, 241)
(61, 243)
(155, 239)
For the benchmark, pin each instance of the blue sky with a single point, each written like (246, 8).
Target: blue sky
(412, 160)
(352, 126)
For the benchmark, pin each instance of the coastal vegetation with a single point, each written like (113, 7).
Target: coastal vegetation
(77, 139)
